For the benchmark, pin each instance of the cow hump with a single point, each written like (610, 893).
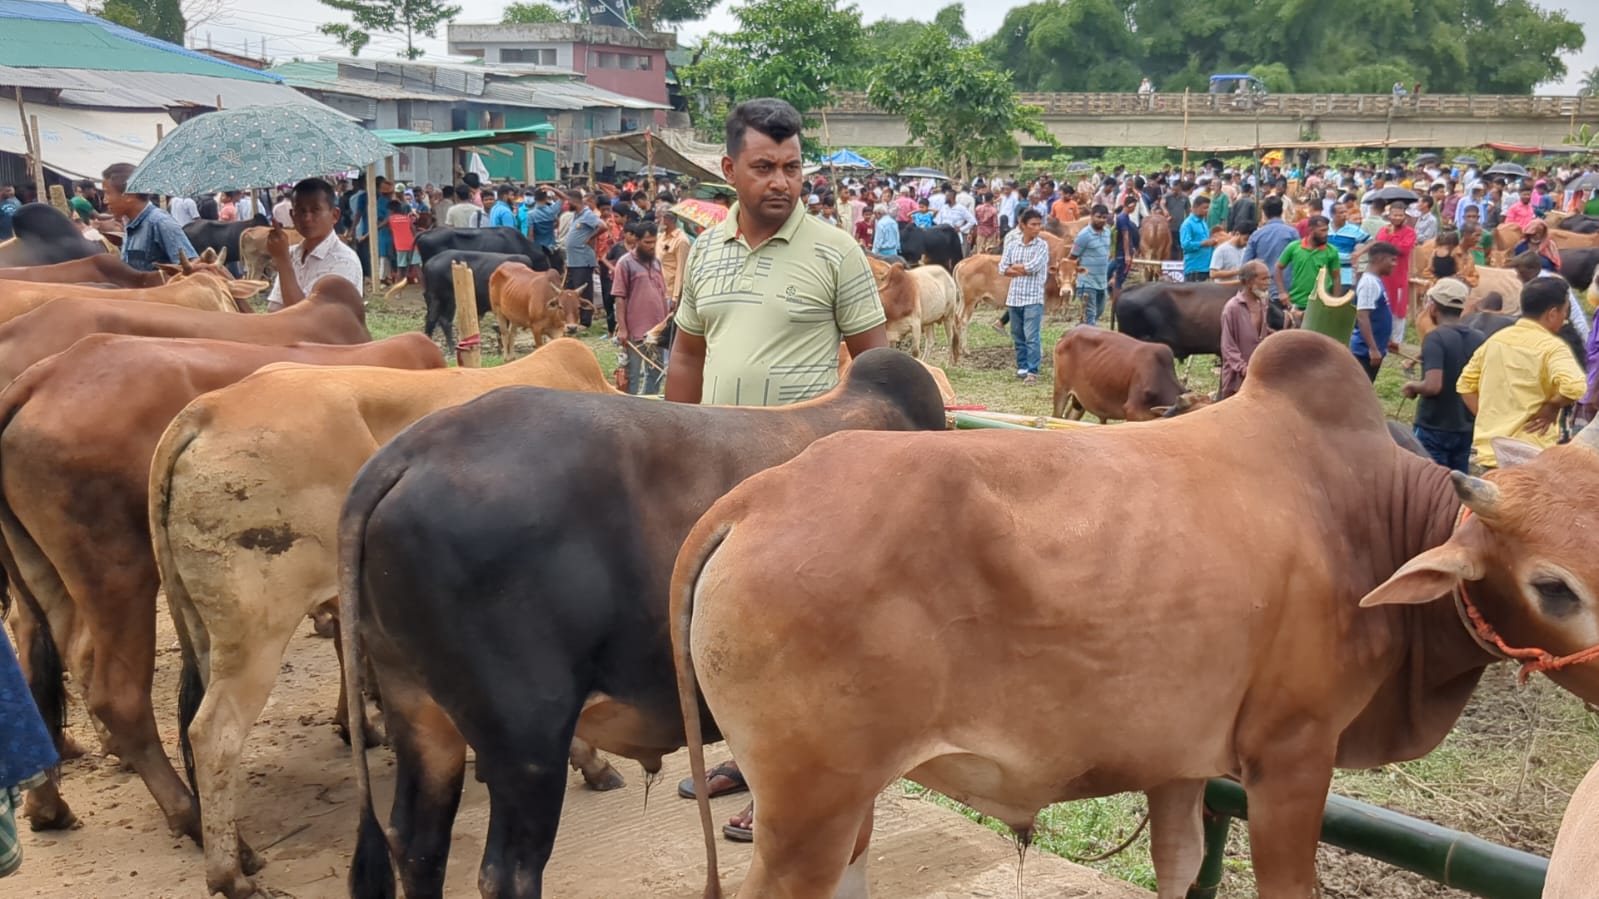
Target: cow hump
(1318, 376)
(901, 379)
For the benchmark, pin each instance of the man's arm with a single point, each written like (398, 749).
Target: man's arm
(1277, 279)
(869, 339)
(685, 377)
(1470, 379)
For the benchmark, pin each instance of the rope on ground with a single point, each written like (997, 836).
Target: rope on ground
(1126, 844)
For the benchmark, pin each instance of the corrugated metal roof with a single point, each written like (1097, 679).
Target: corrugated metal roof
(522, 95)
(472, 67)
(159, 90)
(54, 35)
(587, 95)
(53, 79)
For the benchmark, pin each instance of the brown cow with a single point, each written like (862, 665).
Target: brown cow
(203, 290)
(253, 251)
(1571, 240)
(77, 431)
(1115, 377)
(1070, 667)
(1575, 859)
(1154, 234)
(332, 313)
(101, 268)
(524, 298)
(245, 493)
(935, 300)
(894, 289)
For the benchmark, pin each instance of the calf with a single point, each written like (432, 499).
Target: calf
(1114, 377)
(524, 298)
(935, 300)
(76, 437)
(245, 489)
(1062, 671)
(253, 250)
(1154, 235)
(550, 619)
(438, 286)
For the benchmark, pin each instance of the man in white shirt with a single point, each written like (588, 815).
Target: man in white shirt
(319, 254)
(955, 215)
(183, 210)
(247, 206)
(282, 213)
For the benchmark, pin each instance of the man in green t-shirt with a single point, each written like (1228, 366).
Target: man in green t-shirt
(1305, 260)
(82, 208)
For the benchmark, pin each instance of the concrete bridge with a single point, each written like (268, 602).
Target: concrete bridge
(1221, 122)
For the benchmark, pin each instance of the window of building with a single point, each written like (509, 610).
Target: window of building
(539, 56)
(605, 59)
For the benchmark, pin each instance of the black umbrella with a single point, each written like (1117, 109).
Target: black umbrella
(1585, 181)
(1464, 160)
(1079, 167)
(1213, 162)
(1393, 194)
(1426, 157)
(924, 172)
(1508, 168)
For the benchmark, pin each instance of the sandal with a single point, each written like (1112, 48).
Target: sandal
(727, 771)
(740, 833)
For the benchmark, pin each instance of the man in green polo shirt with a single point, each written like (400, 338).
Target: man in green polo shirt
(1305, 260)
(769, 292)
(767, 295)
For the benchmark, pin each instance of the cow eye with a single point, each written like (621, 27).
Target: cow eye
(1556, 596)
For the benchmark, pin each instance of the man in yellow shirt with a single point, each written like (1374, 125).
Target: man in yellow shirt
(1520, 378)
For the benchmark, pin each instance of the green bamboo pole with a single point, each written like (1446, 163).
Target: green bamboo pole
(1337, 322)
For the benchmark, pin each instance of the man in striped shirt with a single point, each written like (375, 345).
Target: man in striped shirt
(1026, 262)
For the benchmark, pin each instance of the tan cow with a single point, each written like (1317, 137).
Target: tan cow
(245, 491)
(1505, 237)
(1116, 377)
(1070, 664)
(101, 268)
(979, 280)
(253, 251)
(203, 290)
(1502, 281)
(1571, 240)
(1154, 234)
(1574, 865)
(935, 300)
(524, 298)
(894, 289)
(77, 431)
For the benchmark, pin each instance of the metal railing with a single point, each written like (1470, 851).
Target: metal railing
(1485, 106)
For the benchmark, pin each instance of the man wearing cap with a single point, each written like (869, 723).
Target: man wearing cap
(1443, 423)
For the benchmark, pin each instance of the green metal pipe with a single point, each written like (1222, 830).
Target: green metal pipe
(1439, 854)
(966, 422)
(1208, 882)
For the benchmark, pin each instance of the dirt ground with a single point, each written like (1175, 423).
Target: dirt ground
(300, 811)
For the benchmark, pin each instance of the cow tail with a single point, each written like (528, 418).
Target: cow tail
(371, 866)
(697, 551)
(191, 686)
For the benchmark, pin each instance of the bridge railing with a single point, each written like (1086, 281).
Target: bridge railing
(1487, 106)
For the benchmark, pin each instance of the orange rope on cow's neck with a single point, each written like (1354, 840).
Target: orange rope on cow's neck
(1532, 660)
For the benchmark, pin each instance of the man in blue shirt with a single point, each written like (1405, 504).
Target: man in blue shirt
(1126, 241)
(1267, 245)
(1197, 242)
(885, 234)
(541, 219)
(1349, 239)
(580, 257)
(1091, 251)
(151, 236)
(9, 204)
(502, 216)
(1374, 320)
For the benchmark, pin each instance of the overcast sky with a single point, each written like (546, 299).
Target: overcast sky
(290, 27)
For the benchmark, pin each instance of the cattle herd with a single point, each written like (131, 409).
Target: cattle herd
(527, 563)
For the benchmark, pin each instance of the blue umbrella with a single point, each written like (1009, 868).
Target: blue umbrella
(848, 159)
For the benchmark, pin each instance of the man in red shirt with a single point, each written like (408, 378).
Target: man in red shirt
(1396, 283)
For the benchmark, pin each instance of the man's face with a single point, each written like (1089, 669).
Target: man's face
(644, 247)
(1473, 216)
(1318, 235)
(312, 216)
(1098, 220)
(1130, 207)
(767, 175)
(120, 204)
(1396, 216)
(1031, 227)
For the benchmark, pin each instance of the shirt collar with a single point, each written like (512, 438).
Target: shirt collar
(139, 219)
(730, 228)
(321, 250)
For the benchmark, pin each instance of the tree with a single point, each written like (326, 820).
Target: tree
(1068, 45)
(652, 12)
(407, 17)
(953, 100)
(533, 14)
(952, 19)
(158, 18)
(798, 50)
(1590, 83)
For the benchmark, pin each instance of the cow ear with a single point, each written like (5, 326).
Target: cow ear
(1427, 577)
(897, 266)
(1511, 452)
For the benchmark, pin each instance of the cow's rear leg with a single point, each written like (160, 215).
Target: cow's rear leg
(811, 841)
(341, 714)
(1176, 835)
(527, 784)
(429, 767)
(597, 772)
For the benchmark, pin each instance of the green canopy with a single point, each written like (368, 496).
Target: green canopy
(400, 137)
(255, 146)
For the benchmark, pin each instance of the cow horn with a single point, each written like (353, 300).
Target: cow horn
(1478, 495)
(184, 263)
(222, 257)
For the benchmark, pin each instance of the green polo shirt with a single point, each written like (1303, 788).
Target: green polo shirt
(1305, 265)
(772, 316)
(82, 208)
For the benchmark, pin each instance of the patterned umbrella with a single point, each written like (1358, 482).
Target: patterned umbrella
(256, 146)
(701, 212)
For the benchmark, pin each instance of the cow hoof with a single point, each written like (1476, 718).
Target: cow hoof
(54, 815)
(606, 781)
(236, 887)
(71, 748)
(250, 860)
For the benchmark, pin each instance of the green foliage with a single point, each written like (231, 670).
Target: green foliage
(1590, 83)
(1276, 75)
(798, 50)
(652, 12)
(952, 19)
(953, 100)
(1451, 46)
(403, 17)
(533, 14)
(158, 18)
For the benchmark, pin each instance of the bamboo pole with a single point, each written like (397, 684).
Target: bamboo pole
(371, 222)
(468, 352)
(38, 156)
(649, 162)
(28, 140)
(1185, 129)
(528, 172)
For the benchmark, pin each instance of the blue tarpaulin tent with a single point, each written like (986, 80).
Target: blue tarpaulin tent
(848, 159)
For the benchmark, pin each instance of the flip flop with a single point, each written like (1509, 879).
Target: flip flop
(685, 789)
(738, 834)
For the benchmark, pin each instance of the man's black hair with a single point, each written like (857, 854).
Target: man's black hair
(777, 119)
(1246, 188)
(1381, 249)
(462, 192)
(645, 229)
(1099, 209)
(319, 187)
(1528, 262)
(1317, 221)
(1199, 201)
(1543, 294)
(1027, 215)
(1247, 227)
(1273, 207)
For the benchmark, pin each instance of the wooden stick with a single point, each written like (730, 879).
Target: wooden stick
(36, 153)
(371, 222)
(468, 353)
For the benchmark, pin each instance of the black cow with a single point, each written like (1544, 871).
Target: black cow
(1580, 224)
(1185, 317)
(44, 236)
(938, 245)
(560, 539)
(438, 286)
(486, 240)
(1577, 265)
(220, 236)
(1488, 323)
